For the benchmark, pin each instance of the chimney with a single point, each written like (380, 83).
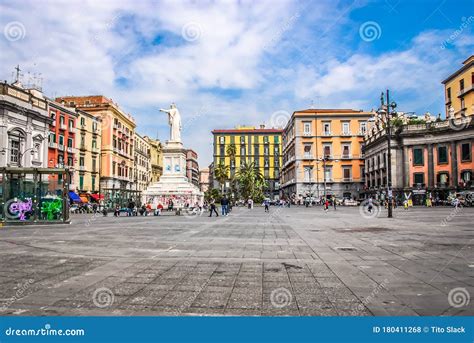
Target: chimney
(262, 126)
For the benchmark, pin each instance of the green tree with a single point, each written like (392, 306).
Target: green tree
(251, 182)
(221, 173)
(212, 194)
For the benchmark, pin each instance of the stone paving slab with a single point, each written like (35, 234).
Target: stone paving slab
(291, 262)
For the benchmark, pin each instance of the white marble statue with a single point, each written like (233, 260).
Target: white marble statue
(450, 112)
(174, 120)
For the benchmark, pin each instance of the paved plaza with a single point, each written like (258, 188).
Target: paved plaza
(297, 262)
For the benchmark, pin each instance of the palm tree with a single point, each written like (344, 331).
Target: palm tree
(251, 181)
(221, 174)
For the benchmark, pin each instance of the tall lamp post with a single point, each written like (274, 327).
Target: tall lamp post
(388, 111)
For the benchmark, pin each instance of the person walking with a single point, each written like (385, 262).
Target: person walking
(213, 208)
(266, 203)
(334, 203)
(326, 205)
(370, 205)
(405, 204)
(225, 206)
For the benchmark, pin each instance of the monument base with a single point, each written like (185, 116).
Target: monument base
(173, 185)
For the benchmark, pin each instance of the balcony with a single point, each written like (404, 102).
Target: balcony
(346, 156)
(115, 127)
(326, 134)
(83, 147)
(307, 134)
(308, 156)
(95, 129)
(60, 147)
(465, 90)
(53, 123)
(83, 126)
(362, 132)
(346, 133)
(52, 145)
(95, 150)
(347, 179)
(72, 129)
(82, 168)
(63, 127)
(71, 150)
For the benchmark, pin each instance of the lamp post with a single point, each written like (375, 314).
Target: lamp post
(385, 110)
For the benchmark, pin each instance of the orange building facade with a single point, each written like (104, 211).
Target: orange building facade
(322, 153)
(117, 147)
(62, 151)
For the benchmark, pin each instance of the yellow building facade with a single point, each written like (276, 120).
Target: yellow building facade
(258, 145)
(87, 162)
(322, 153)
(459, 90)
(156, 158)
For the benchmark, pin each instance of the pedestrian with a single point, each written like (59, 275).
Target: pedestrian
(326, 205)
(334, 203)
(370, 205)
(225, 206)
(405, 204)
(266, 203)
(213, 208)
(117, 211)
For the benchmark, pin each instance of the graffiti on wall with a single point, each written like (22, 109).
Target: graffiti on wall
(52, 209)
(17, 209)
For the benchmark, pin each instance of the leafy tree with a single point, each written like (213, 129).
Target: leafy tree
(251, 182)
(221, 173)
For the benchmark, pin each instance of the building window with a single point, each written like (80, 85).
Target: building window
(242, 139)
(461, 85)
(347, 173)
(69, 143)
(71, 123)
(346, 150)
(442, 155)
(306, 128)
(61, 140)
(93, 183)
(448, 94)
(222, 140)
(308, 174)
(265, 139)
(276, 139)
(327, 150)
(83, 121)
(81, 161)
(362, 128)
(266, 150)
(326, 129)
(328, 173)
(417, 156)
(256, 150)
(307, 151)
(346, 128)
(222, 150)
(70, 161)
(466, 152)
(266, 163)
(442, 179)
(418, 179)
(242, 150)
(466, 176)
(81, 182)
(463, 104)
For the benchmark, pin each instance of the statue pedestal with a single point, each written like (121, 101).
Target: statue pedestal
(173, 184)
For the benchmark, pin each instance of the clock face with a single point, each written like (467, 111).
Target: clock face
(177, 168)
(168, 167)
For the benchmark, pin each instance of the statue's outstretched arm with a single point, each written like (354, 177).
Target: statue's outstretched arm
(166, 111)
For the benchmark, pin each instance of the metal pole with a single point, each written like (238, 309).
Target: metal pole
(324, 173)
(389, 159)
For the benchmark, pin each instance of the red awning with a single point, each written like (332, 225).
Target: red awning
(97, 196)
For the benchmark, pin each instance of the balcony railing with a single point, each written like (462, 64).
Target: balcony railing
(82, 168)
(346, 156)
(307, 134)
(60, 147)
(63, 127)
(83, 147)
(308, 156)
(346, 133)
(465, 90)
(95, 149)
(72, 129)
(326, 133)
(71, 150)
(52, 145)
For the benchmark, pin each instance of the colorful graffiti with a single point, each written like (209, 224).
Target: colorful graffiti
(17, 209)
(52, 209)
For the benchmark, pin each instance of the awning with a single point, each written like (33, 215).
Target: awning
(74, 197)
(84, 199)
(97, 197)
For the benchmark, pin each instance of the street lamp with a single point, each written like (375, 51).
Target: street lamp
(388, 111)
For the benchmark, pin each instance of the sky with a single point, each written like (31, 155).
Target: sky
(228, 63)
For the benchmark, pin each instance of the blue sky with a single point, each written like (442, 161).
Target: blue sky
(226, 63)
